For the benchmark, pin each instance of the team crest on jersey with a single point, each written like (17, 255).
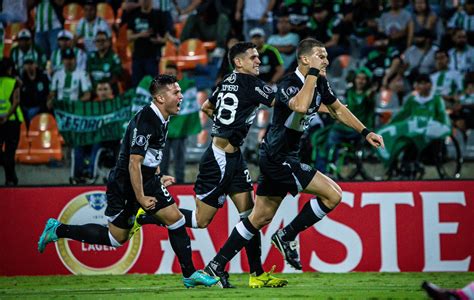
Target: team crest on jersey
(141, 140)
(232, 78)
(292, 90)
(267, 89)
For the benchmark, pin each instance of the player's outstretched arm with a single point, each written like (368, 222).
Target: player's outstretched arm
(208, 108)
(345, 116)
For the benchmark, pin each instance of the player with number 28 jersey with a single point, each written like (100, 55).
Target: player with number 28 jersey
(236, 99)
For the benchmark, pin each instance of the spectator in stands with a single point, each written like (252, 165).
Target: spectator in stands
(25, 48)
(72, 84)
(209, 24)
(104, 64)
(255, 14)
(285, 41)
(420, 57)
(146, 30)
(461, 56)
(363, 26)
(69, 83)
(446, 82)
(381, 57)
(271, 63)
(360, 100)
(271, 71)
(89, 25)
(299, 12)
(464, 18)
(10, 120)
(14, 11)
(394, 23)
(65, 40)
(423, 17)
(49, 21)
(103, 91)
(34, 89)
(463, 111)
(422, 119)
(329, 30)
(165, 7)
(184, 8)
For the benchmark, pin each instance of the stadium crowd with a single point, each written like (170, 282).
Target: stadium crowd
(397, 53)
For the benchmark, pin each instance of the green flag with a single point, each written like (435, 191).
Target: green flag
(86, 123)
(187, 121)
(420, 121)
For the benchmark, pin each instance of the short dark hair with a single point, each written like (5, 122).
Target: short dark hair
(239, 49)
(103, 32)
(306, 46)
(444, 51)
(469, 78)
(423, 77)
(160, 81)
(171, 65)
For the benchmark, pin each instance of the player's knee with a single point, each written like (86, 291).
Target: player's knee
(203, 222)
(336, 196)
(261, 221)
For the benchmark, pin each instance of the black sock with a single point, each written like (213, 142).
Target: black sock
(149, 219)
(87, 233)
(304, 219)
(188, 216)
(236, 242)
(254, 253)
(181, 245)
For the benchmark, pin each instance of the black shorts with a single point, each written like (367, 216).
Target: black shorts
(277, 178)
(122, 204)
(220, 174)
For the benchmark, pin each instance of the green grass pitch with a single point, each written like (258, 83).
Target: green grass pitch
(305, 285)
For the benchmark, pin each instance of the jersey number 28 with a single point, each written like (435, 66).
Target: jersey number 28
(226, 107)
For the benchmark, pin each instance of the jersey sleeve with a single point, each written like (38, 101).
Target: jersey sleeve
(285, 91)
(262, 93)
(140, 133)
(327, 94)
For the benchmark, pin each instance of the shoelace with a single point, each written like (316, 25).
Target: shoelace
(271, 270)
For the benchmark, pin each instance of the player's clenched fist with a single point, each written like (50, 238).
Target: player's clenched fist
(147, 202)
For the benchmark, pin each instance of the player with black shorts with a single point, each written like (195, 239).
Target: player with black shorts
(300, 95)
(135, 182)
(222, 169)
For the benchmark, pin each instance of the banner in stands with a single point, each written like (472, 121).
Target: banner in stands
(91, 122)
(380, 226)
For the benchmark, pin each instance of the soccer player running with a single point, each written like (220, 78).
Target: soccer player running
(299, 96)
(222, 169)
(135, 182)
